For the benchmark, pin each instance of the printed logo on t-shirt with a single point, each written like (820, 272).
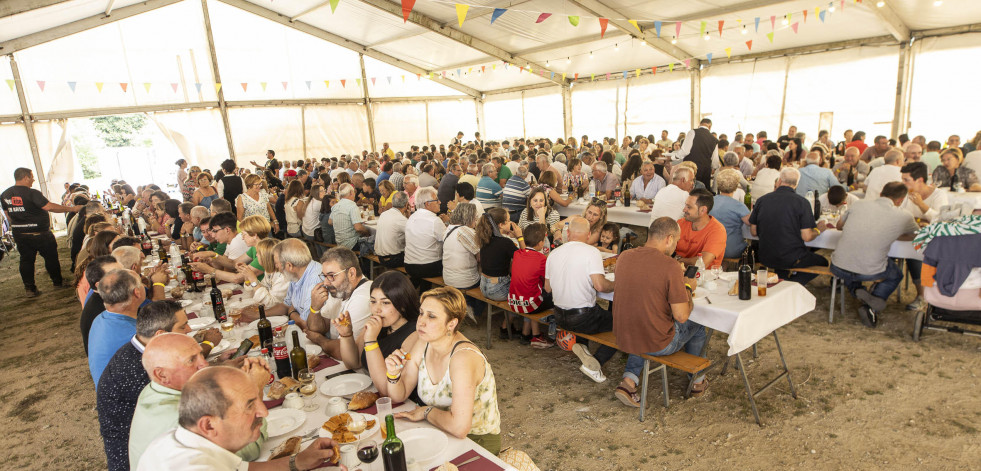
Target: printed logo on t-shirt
(17, 201)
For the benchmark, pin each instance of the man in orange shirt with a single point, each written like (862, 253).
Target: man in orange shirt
(701, 234)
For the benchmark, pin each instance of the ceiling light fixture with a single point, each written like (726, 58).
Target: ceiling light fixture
(616, 47)
(937, 3)
(568, 60)
(880, 4)
(786, 21)
(590, 54)
(707, 36)
(745, 31)
(674, 40)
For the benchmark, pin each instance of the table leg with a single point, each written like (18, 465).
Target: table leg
(749, 389)
(793, 392)
(725, 367)
(489, 326)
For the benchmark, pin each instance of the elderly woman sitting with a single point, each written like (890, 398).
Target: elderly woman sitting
(950, 172)
(731, 211)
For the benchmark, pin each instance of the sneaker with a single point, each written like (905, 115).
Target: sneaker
(876, 303)
(868, 316)
(629, 399)
(541, 341)
(918, 304)
(524, 339)
(595, 375)
(503, 335)
(589, 362)
(33, 293)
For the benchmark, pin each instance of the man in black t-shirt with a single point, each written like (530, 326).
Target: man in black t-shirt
(27, 210)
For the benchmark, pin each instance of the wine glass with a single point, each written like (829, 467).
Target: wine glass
(368, 451)
(308, 388)
(226, 329)
(357, 424)
(716, 272)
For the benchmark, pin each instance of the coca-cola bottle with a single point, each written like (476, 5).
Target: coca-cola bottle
(281, 354)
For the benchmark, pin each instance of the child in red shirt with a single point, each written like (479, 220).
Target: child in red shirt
(526, 293)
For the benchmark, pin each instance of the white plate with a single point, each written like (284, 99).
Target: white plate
(345, 385)
(225, 344)
(185, 302)
(312, 349)
(231, 286)
(368, 432)
(729, 275)
(282, 421)
(276, 321)
(199, 323)
(425, 446)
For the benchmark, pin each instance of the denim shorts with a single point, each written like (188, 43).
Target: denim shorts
(495, 291)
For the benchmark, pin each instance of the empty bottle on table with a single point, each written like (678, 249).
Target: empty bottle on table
(265, 329)
(298, 356)
(393, 451)
(745, 279)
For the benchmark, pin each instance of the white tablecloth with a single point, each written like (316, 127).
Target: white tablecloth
(828, 239)
(316, 419)
(973, 198)
(620, 215)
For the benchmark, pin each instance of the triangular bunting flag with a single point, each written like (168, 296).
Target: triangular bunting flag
(634, 22)
(563, 76)
(358, 82)
(687, 63)
(805, 16)
(721, 22)
(821, 15)
(483, 68)
(592, 77)
(542, 17)
(553, 75)
(444, 74)
(389, 79)
(418, 77)
(701, 28)
(677, 29)
(497, 14)
(638, 72)
(333, 5)
(794, 26)
(197, 86)
(146, 86)
(98, 85)
(344, 83)
(308, 84)
(457, 72)
(245, 86)
(749, 44)
(757, 24)
(285, 84)
(577, 77)
(71, 85)
(770, 36)
(10, 83)
(263, 85)
(124, 86)
(603, 23)
(373, 80)
(608, 76)
(709, 56)
(728, 52)
(326, 83)
(657, 28)
(40, 84)
(174, 87)
(773, 22)
(624, 74)
(461, 12)
(671, 67)
(574, 20)
(541, 72)
(653, 70)
(406, 9)
(217, 87)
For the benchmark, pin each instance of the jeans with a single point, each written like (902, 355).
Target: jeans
(890, 279)
(495, 291)
(810, 260)
(588, 320)
(29, 246)
(689, 335)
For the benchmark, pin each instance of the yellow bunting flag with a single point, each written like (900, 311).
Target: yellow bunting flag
(770, 36)
(461, 12)
(638, 72)
(263, 85)
(728, 52)
(98, 86)
(574, 20)
(146, 85)
(563, 76)
(634, 22)
(217, 87)
(326, 83)
(333, 5)
(671, 67)
(592, 77)
(701, 29)
(10, 83)
(358, 81)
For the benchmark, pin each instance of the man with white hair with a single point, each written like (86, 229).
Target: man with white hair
(784, 222)
(544, 164)
(605, 182)
(814, 177)
(345, 216)
(559, 165)
(472, 176)
(670, 201)
(424, 238)
(123, 293)
(889, 172)
(390, 233)
(648, 185)
(197, 214)
(292, 258)
(411, 185)
(488, 190)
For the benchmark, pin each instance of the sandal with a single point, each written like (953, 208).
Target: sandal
(627, 397)
(698, 389)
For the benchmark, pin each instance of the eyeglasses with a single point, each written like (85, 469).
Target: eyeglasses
(430, 201)
(330, 277)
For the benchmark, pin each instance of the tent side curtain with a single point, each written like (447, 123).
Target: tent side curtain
(945, 99)
(503, 117)
(254, 130)
(198, 135)
(399, 124)
(448, 117)
(743, 96)
(653, 103)
(16, 151)
(333, 130)
(594, 109)
(543, 112)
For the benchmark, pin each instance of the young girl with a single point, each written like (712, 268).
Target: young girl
(609, 240)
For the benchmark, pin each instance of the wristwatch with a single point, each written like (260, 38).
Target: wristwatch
(253, 284)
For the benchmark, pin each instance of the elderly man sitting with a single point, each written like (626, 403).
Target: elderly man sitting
(574, 274)
(220, 413)
(424, 238)
(851, 171)
(646, 187)
(390, 234)
(488, 190)
(606, 182)
(345, 285)
(123, 293)
(731, 213)
(890, 171)
(670, 201)
(292, 258)
(784, 221)
(170, 360)
(814, 177)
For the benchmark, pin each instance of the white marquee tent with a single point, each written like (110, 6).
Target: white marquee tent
(231, 78)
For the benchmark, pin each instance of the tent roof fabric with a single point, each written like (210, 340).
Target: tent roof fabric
(434, 41)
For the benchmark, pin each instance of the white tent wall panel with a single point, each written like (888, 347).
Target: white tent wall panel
(161, 48)
(16, 152)
(504, 117)
(54, 145)
(399, 124)
(595, 110)
(653, 103)
(53, 16)
(256, 129)
(198, 134)
(9, 105)
(393, 82)
(332, 130)
(743, 96)
(543, 112)
(945, 96)
(858, 85)
(448, 117)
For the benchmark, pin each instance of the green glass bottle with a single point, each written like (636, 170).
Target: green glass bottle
(393, 452)
(748, 200)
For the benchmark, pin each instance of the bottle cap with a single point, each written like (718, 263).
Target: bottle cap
(291, 323)
(265, 351)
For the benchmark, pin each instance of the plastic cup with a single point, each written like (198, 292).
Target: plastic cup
(384, 406)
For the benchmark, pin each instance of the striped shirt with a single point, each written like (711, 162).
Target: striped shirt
(516, 192)
(489, 193)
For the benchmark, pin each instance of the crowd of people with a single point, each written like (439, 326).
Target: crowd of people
(481, 215)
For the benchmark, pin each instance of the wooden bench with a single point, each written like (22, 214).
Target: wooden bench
(835, 283)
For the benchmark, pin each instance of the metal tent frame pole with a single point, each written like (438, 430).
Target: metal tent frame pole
(222, 105)
(29, 126)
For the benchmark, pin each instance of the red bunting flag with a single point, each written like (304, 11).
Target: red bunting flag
(174, 86)
(653, 70)
(372, 80)
(773, 22)
(687, 63)
(721, 22)
(794, 26)
(40, 84)
(482, 68)
(406, 9)
(344, 83)
(285, 84)
(543, 17)
(805, 16)
(577, 77)
(603, 23)
(749, 44)
(677, 29)
(245, 86)
(123, 85)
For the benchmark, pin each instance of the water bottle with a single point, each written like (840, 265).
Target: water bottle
(292, 327)
(700, 264)
(592, 188)
(175, 257)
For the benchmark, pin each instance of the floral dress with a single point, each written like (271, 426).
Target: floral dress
(253, 207)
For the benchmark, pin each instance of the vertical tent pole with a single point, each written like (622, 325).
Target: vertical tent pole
(29, 127)
(303, 128)
(428, 138)
(222, 105)
(900, 116)
(481, 121)
(367, 104)
(567, 110)
(696, 96)
(783, 100)
(616, 119)
(524, 132)
(626, 105)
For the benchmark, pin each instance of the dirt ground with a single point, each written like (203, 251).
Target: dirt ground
(868, 399)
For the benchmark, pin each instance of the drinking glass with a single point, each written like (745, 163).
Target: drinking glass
(308, 388)
(716, 272)
(357, 425)
(383, 406)
(368, 451)
(761, 283)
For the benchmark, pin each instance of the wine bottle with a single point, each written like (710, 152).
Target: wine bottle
(626, 195)
(393, 452)
(298, 356)
(745, 278)
(218, 303)
(265, 329)
(748, 200)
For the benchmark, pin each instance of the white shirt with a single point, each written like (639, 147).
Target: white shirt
(765, 181)
(879, 177)
(358, 306)
(311, 217)
(638, 190)
(670, 202)
(236, 248)
(478, 207)
(567, 270)
(562, 168)
(850, 199)
(371, 175)
(424, 238)
(877, 162)
(513, 166)
(390, 233)
(184, 450)
(938, 199)
(337, 171)
(973, 161)
(460, 251)
(271, 290)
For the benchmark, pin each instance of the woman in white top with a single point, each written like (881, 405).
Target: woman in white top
(460, 249)
(294, 195)
(766, 178)
(271, 290)
(309, 210)
(254, 201)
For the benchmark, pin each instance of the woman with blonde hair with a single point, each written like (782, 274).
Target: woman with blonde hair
(387, 190)
(269, 287)
(462, 401)
(253, 229)
(950, 172)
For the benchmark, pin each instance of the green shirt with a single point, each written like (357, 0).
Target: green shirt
(156, 413)
(503, 174)
(255, 262)
(217, 248)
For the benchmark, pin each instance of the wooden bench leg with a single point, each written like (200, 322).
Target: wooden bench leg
(831, 307)
(643, 388)
(489, 326)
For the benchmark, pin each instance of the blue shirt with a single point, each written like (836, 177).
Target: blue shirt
(298, 292)
(516, 192)
(197, 234)
(343, 216)
(730, 212)
(813, 177)
(489, 192)
(382, 177)
(109, 332)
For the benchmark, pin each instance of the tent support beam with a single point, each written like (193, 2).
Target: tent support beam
(343, 42)
(783, 100)
(893, 23)
(367, 104)
(438, 27)
(537, 49)
(900, 117)
(567, 111)
(696, 97)
(600, 9)
(518, 89)
(29, 127)
(109, 7)
(222, 106)
(479, 106)
(85, 24)
(13, 7)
